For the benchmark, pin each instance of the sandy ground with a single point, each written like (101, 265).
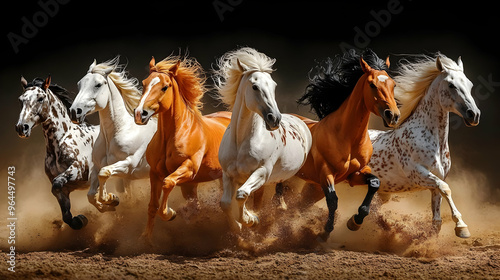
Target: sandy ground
(396, 240)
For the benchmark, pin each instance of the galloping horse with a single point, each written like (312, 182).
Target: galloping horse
(261, 146)
(184, 150)
(343, 93)
(119, 150)
(415, 155)
(68, 162)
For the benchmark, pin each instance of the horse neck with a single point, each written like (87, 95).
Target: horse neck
(56, 124)
(430, 115)
(177, 118)
(243, 121)
(353, 114)
(114, 117)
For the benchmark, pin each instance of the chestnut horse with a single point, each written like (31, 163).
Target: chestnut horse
(343, 93)
(185, 148)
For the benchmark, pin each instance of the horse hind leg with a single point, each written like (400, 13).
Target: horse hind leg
(278, 197)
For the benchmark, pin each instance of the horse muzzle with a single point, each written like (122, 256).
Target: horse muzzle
(389, 117)
(23, 130)
(471, 117)
(141, 117)
(272, 121)
(76, 115)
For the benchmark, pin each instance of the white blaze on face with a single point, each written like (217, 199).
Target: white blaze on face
(382, 78)
(153, 82)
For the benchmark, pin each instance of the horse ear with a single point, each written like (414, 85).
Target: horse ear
(24, 83)
(108, 70)
(175, 68)
(243, 68)
(152, 63)
(92, 66)
(46, 84)
(439, 65)
(460, 63)
(366, 68)
(387, 62)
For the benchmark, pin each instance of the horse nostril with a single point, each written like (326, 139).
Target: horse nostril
(144, 113)
(388, 114)
(79, 111)
(470, 114)
(26, 127)
(270, 117)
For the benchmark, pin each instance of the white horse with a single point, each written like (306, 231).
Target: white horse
(261, 146)
(416, 156)
(68, 146)
(119, 150)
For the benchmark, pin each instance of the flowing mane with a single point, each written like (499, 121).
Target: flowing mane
(61, 93)
(129, 87)
(414, 78)
(190, 78)
(333, 80)
(228, 76)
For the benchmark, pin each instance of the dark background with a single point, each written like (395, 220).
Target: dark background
(295, 33)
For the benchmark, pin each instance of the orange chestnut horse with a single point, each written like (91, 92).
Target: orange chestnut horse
(343, 93)
(185, 148)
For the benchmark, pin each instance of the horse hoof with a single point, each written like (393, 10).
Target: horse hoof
(352, 225)
(174, 214)
(79, 222)
(462, 232)
(323, 237)
(115, 201)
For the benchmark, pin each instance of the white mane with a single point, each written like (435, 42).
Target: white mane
(228, 76)
(129, 87)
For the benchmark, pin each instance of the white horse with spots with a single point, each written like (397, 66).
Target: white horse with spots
(415, 156)
(120, 148)
(68, 146)
(261, 146)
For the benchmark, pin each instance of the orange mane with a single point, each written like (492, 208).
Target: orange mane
(190, 78)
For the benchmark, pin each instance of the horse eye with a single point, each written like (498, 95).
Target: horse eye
(451, 85)
(98, 85)
(164, 88)
(255, 87)
(40, 100)
(373, 86)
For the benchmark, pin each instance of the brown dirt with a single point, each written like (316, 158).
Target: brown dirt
(396, 240)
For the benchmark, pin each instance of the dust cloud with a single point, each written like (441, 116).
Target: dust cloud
(402, 226)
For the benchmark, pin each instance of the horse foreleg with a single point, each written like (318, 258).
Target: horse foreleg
(184, 173)
(190, 193)
(253, 183)
(227, 201)
(424, 177)
(332, 203)
(360, 178)
(61, 192)
(436, 199)
(154, 202)
(120, 167)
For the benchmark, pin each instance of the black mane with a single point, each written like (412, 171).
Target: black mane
(60, 92)
(334, 79)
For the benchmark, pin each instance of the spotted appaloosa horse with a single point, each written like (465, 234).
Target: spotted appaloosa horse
(68, 146)
(416, 155)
